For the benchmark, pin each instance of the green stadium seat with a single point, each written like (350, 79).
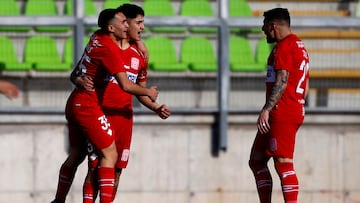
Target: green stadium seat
(69, 49)
(11, 8)
(263, 49)
(198, 52)
(161, 8)
(198, 8)
(8, 57)
(42, 52)
(44, 8)
(242, 56)
(90, 10)
(241, 8)
(114, 3)
(163, 55)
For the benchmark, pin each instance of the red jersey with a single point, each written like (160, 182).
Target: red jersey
(98, 62)
(289, 54)
(136, 70)
(98, 59)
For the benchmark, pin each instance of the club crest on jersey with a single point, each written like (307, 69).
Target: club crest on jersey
(135, 63)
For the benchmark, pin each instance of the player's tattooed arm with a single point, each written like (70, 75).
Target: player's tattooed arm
(278, 89)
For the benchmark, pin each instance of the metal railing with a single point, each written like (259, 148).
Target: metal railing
(223, 76)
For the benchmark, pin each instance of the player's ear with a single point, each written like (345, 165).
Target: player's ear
(110, 28)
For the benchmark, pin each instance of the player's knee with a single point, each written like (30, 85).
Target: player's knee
(110, 153)
(256, 165)
(284, 168)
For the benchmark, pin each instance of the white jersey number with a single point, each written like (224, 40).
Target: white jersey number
(304, 67)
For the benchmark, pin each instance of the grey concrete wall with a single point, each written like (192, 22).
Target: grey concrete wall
(171, 161)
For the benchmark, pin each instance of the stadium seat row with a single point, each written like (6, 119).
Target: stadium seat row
(151, 7)
(197, 54)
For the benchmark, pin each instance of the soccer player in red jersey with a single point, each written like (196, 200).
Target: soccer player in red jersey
(83, 112)
(117, 104)
(287, 82)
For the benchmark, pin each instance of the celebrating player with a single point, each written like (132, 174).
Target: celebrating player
(117, 104)
(83, 112)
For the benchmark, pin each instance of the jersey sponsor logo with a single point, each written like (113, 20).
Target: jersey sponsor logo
(132, 76)
(270, 74)
(135, 63)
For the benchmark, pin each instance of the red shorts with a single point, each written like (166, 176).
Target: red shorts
(279, 142)
(88, 119)
(122, 123)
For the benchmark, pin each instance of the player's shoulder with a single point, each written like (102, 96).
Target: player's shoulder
(134, 49)
(291, 41)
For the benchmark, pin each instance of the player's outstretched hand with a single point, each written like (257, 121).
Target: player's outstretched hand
(9, 90)
(163, 111)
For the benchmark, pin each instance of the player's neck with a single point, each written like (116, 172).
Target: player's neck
(124, 44)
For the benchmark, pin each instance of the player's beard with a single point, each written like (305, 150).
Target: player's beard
(270, 39)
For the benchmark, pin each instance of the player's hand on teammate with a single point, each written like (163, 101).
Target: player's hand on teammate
(163, 111)
(86, 82)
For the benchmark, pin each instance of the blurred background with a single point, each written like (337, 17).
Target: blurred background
(208, 60)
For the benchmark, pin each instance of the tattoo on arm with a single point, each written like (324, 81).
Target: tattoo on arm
(278, 89)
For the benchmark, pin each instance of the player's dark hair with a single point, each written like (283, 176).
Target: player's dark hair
(131, 10)
(281, 14)
(105, 17)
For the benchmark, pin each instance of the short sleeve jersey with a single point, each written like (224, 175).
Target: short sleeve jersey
(98, 59)
(289, 54)
(136, 70)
